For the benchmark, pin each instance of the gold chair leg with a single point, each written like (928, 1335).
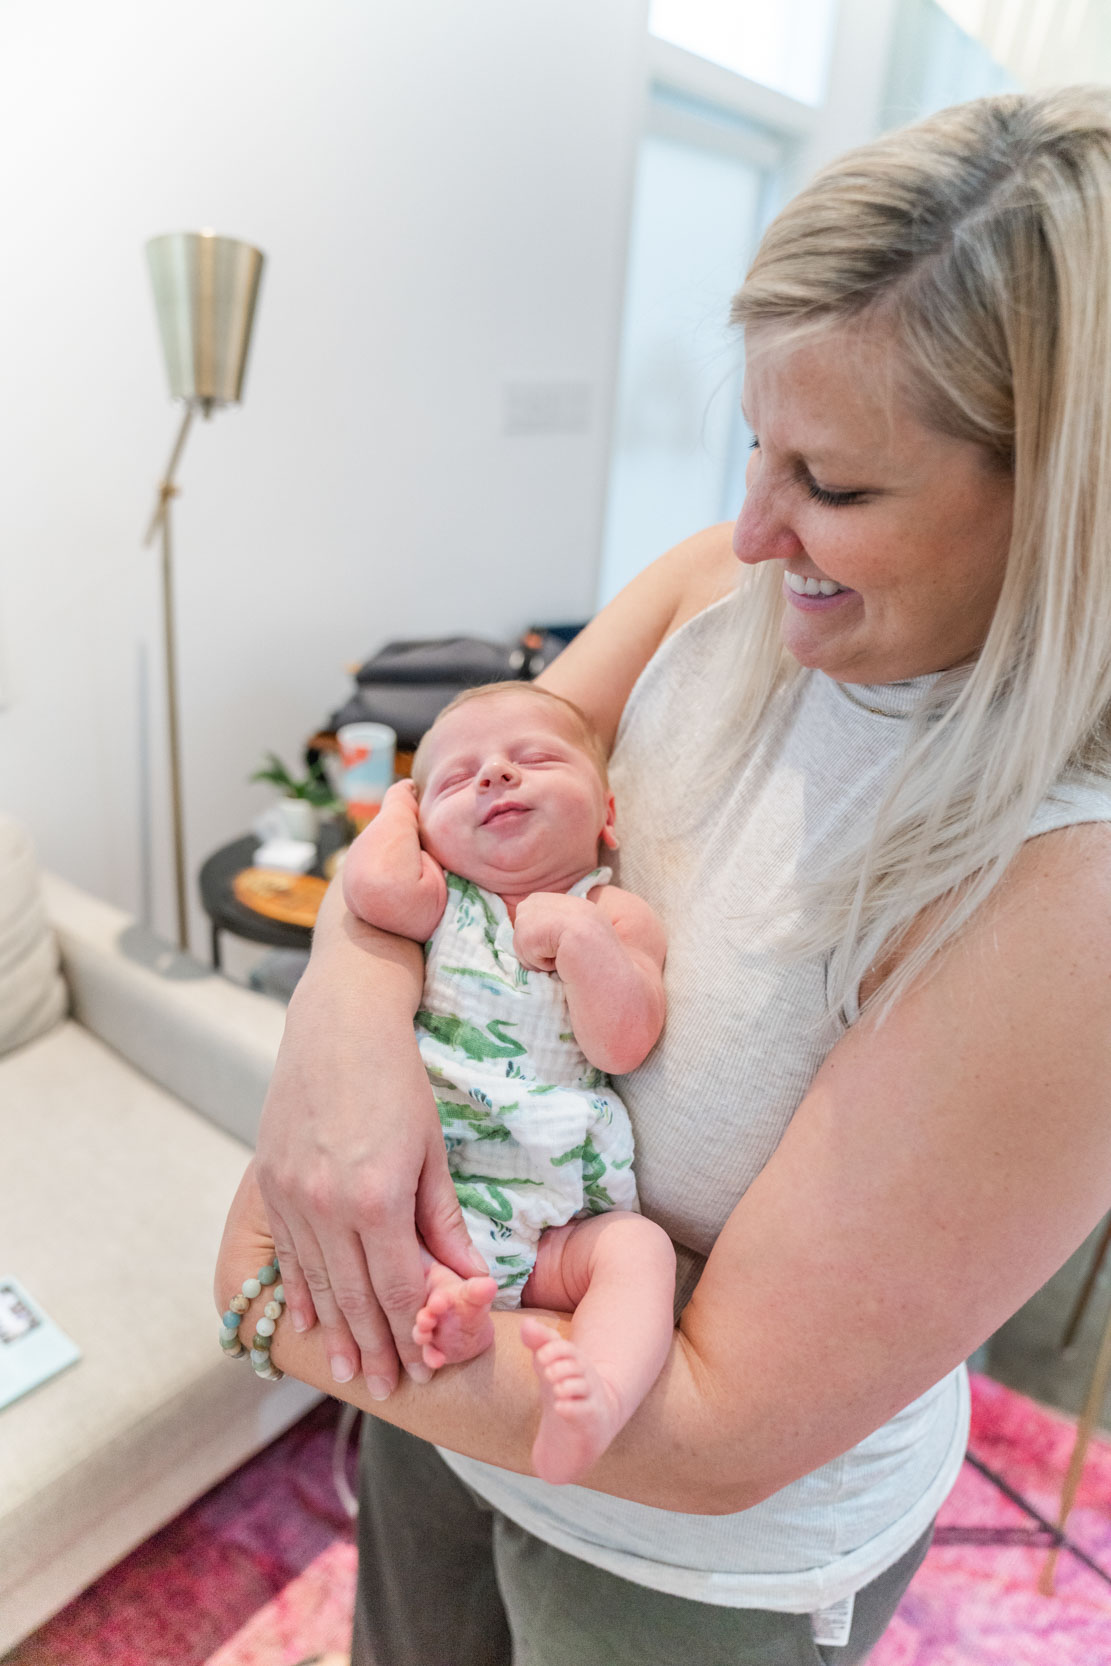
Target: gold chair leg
(1085, 1429)
(1086, 1288)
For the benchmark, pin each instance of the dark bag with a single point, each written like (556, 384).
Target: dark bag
(407, 684)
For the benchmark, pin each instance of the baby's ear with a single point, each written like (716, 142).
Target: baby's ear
(608, 834)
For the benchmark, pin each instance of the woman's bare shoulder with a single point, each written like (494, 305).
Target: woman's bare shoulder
(1061, 877)
(601, 665)
(704, 570)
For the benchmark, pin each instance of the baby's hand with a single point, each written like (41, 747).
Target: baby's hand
(401, 800)
(546, 920)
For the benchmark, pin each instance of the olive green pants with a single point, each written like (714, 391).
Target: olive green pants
(445, 1580)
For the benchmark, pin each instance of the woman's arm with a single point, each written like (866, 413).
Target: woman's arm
(941, 1167)
(349, 1147)
(598, 669)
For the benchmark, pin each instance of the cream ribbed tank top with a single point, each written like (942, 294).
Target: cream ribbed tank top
(745, 1035)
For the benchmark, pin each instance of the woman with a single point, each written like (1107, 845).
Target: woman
(876, 1122)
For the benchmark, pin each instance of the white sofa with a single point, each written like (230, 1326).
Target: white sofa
(124, 1128)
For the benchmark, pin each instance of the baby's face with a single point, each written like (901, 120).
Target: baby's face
(511, 801)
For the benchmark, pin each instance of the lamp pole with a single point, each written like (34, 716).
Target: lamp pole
(167, 491)
(205, 289)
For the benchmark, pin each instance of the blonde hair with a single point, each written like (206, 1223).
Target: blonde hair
(587, 738)
(982, 239)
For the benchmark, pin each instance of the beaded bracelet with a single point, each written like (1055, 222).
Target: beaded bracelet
(259, 1351)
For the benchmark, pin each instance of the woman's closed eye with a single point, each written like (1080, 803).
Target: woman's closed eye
(821, 494)
(832, 500)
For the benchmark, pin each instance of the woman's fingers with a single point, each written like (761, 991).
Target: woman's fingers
(393, 1250)
(298, 1297)
(440, 1219)
(365, 1282)
(326, 1273)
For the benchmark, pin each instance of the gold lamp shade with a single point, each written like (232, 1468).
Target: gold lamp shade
(205, 288)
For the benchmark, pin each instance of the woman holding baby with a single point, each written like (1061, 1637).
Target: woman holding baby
(861, 761)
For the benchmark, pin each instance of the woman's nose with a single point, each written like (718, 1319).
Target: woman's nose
(762, 532)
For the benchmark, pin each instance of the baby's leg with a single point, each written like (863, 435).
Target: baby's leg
(616, 1272)
(454, 1324)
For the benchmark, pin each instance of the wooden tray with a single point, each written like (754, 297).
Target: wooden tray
(293, 898)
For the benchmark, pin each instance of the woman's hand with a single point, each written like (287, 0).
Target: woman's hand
(246, 1244)
(351, 1163)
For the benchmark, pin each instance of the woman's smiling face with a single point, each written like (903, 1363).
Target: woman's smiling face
(848, 489)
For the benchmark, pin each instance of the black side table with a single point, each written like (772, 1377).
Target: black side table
(227, 913)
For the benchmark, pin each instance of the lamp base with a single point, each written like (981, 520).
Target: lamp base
(146, 948)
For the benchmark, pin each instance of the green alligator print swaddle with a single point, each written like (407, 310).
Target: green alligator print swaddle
(534, 1133)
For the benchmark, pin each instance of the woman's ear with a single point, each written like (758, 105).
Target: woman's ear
(608, 834)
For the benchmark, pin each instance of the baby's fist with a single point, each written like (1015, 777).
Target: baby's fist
(544, 920)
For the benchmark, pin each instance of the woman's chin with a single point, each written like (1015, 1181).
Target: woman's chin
(816, 655)
(819, 647)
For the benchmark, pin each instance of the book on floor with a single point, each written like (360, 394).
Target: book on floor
(32, 1348)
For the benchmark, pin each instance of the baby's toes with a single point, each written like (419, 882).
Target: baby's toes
(538, 1336)
(558, 1357)
(441, 1301)
(571, 1386)
(479, 1292)
(560, 1369)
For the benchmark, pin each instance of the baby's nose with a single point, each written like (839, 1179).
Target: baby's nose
(497, 771)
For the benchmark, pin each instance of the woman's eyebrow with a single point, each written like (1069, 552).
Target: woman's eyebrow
(826, 456)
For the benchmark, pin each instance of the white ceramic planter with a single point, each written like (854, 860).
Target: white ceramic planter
(301, 820)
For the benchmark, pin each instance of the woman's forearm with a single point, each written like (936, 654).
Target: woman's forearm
(353, 963)
(668, 1455)
(490, 1408)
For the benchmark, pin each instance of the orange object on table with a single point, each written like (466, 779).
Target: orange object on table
(293, 898)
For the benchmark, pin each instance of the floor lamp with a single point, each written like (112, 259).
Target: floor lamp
(205, 288)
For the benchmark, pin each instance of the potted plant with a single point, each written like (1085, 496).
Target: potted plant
(304, 798)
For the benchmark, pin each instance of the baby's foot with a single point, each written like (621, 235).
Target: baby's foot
(580, 1412)
(454, 1324)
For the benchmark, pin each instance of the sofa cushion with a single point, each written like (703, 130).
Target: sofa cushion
(114, 1220)
(206, 1040)
(32, 992)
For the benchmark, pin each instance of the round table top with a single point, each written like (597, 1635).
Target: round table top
(226, 911)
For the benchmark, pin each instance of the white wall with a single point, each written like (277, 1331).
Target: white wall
(442, 190)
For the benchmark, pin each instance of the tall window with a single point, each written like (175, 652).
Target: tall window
(741, 111)
(678, 459)
(784, 44)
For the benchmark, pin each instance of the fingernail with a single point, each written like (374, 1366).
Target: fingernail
(342, 1369)
(299, 1321)
(377, 1387)
(419, 1372)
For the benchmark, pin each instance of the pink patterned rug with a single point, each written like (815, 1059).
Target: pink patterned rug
(976, 1603)
(184, 1592)
(272, 1542)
